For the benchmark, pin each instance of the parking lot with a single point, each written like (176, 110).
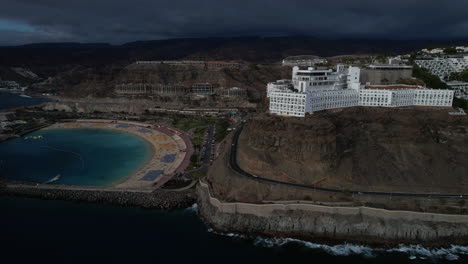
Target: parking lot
(207, 150)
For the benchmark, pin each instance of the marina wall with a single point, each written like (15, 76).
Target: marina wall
(160, 199)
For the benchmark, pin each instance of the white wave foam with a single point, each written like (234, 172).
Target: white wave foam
(193, 208)
(336, 250)
(413, 251)
(418, 251)
(211, 230)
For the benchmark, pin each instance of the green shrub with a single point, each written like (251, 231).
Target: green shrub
(429, 79)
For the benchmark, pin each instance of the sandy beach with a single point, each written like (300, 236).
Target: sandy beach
(169, 151)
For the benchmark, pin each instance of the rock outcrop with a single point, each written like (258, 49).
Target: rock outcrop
(415, 150)
(351, 224)
(406, 150)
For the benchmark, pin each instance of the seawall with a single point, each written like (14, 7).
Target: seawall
(159, 199)
(336, 224)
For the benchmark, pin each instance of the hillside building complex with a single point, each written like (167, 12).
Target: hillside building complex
(433, 51)
(9, 85)
(145, 89)
(197, 89)
(314, 90)
(443, 67)
(460, 88)
(203, 65)
(232, 92)
(202, 89)
(303, 62)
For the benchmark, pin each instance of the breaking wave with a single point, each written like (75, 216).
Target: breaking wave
(418, 251)
(412, 251)
(193, 208)
(336, 250)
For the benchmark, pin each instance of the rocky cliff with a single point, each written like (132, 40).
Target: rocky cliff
(407, 149)
(351, 224)
(374, 149)
(368, 149)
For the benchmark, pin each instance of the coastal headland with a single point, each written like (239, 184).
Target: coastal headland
(259, 203)
(306, 205)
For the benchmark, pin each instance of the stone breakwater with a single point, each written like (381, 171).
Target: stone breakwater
(160, 199)
(353, 224)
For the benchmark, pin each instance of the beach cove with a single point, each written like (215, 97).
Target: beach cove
(103, 153)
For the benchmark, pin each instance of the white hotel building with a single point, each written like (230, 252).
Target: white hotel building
(315, 90)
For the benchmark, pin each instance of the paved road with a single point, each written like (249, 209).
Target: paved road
(233, 164)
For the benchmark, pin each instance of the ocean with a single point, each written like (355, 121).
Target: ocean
(12, 100)
(41, 231)
(38, 231)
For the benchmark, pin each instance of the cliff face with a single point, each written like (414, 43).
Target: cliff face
(412, 149)
(378, 149)
(356, 224)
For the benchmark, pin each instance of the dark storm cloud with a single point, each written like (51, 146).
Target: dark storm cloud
(117, 21)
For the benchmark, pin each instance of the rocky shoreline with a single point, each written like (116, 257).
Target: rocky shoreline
(322, 228)
(159, 199)
(372, 227)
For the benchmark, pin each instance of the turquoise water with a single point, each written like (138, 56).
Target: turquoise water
(82, 156)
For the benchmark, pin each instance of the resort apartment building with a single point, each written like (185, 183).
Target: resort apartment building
(460, 88)
(443, 67)
(219, 65)
(232, 92)
(303, 62)
(146, 89)
(181, 62)
(315, 90)
(202, 89)
(433, 51)
(9, 85)
(206, 65)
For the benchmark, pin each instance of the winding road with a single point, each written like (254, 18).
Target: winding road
(233, 164)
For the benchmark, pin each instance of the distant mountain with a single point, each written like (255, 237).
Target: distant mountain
(63, 45)
(252, 49)
(78, 65)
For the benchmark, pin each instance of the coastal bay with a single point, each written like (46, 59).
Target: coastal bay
(79, 156)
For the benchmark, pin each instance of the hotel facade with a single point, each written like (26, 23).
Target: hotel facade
(315, 90)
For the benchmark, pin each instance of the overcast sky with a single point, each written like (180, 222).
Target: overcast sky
(120, 21)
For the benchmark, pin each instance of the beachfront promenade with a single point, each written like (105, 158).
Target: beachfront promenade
(170, 155)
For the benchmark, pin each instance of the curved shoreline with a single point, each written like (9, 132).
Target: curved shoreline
(149, 145)
(160, 145)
